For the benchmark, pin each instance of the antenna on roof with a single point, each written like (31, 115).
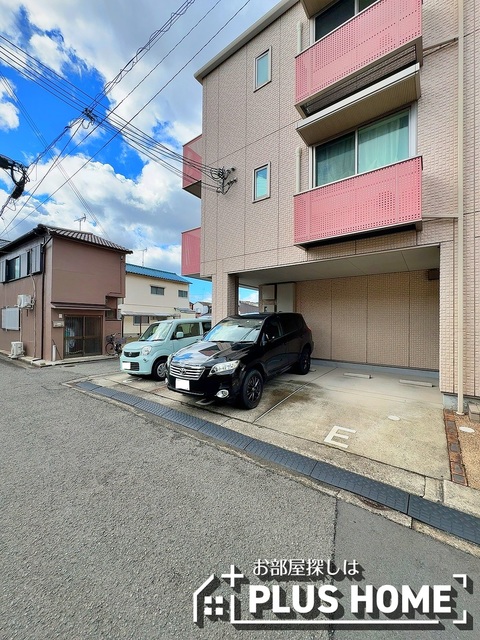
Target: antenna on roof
(80, 220)
(144, 251)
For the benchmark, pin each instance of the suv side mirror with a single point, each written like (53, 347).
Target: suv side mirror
(179, 335)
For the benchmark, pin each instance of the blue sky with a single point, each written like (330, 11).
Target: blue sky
(55, 60)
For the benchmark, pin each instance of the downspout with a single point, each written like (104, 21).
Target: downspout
(299, 37)
(460, 226)
(298, 169)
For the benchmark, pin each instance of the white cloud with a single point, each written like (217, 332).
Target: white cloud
(47, 51)
(8, 115)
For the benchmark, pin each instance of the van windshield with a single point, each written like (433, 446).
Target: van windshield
(157, 331)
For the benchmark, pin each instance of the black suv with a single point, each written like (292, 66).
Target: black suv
(239, 354)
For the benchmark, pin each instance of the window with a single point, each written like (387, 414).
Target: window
(141, 319)
(157, 291)
(12, 269)
(263, 69)
(261, 183)
(337, 14)
(376, 145)
(182, 293)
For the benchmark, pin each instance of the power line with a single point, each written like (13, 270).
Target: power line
(124, 126)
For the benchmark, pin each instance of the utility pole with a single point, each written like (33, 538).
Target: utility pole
(144, 251)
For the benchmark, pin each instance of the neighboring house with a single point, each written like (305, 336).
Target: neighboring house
(152, 294)
(59, 291)
(247, 307)
(351, 129)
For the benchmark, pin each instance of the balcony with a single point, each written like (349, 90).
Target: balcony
(192, 175)
(381, 40)
(374, 201)
(191, 252)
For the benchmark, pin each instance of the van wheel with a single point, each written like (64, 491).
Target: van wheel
(303, 365)
(159, 369)
(251, 391)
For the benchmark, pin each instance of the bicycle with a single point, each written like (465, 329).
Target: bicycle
(112, 346)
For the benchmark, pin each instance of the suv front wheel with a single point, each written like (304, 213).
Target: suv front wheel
(252, 389)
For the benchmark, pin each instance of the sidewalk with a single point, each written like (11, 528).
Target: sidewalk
(384, 428)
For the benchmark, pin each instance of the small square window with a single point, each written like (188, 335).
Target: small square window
(263, 69)
(157, 291)
(182, 293)
(261, 183)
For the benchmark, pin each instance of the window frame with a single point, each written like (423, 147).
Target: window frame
(14, 264)
(329, 6)
(256, 84)
(254, 183)
(182, 293)
(142, 321)
(411, 110)
(157, 291)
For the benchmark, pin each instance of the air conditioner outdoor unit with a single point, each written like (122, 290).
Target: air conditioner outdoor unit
(16, 349)
(24, 300)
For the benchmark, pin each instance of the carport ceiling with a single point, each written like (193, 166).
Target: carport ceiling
(415, 259)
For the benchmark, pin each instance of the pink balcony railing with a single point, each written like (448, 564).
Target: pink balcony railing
(387, 197)
(191, 252)
(191, 172)
(375, 33)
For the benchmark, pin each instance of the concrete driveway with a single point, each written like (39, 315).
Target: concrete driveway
(348, 415)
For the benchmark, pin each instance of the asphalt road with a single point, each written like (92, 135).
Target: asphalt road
(111, 520)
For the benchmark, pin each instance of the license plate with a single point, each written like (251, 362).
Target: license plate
(182, 384)
(126, 366)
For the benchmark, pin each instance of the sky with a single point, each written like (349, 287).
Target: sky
(132, 65)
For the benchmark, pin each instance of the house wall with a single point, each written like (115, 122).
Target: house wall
(244, 129)
(138, 294)
(138, 298)
(86, 273)
(30, 319)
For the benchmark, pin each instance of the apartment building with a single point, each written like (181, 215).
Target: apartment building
(345, 139)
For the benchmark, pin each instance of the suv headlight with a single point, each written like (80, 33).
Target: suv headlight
(146, 351)
(224, 367)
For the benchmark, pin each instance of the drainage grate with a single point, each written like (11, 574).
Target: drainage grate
(88, 386)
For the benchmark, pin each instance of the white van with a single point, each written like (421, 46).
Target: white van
(148, 356)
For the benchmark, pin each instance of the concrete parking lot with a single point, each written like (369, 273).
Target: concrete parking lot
(352, 416)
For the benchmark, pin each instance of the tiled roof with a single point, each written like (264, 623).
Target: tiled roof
(82, 236)
(155, 273)
(79, 236)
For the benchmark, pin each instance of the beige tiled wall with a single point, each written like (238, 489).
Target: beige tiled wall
(389, 319)
(246, 128)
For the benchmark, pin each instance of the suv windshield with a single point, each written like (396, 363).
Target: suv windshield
(157, 331)
(235, 330)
